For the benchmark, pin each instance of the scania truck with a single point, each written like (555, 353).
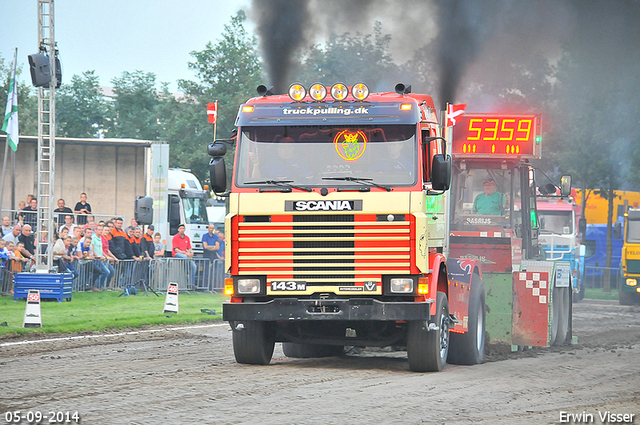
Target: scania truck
(337, 229)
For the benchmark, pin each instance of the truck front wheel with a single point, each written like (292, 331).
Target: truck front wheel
(625, 298)
(468, 348)
(428, 349)
(253, 342)
(306, 351)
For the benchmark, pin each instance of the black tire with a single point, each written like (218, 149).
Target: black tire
(253, 342)
(428, 349)
(560, 315)
(306, 351)
(625, 298)
(468, 348)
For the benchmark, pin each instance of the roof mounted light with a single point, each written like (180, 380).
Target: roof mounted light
(318, 92)
(297, 92)
(339, 91)
(360, 91)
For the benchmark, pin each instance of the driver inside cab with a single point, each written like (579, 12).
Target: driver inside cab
(489, 202)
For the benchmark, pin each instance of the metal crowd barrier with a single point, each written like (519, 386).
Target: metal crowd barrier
(209, 275)
(157, 274)
(7, 272)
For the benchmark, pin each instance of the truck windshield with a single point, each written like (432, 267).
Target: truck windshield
(558, 222)
(482, 197)
(195, 210)
(307, 155)
(633, 231)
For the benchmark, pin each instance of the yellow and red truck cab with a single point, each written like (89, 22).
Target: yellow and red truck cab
(336, 229)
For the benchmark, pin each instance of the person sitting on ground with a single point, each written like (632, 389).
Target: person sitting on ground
(490, 202)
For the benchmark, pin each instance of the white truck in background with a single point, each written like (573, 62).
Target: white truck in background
(174, 196)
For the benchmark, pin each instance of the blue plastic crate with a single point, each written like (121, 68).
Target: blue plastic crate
(57, 286)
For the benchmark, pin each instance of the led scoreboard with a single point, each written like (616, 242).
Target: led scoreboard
(497, 135)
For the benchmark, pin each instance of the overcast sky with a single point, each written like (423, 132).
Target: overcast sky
(112, 36)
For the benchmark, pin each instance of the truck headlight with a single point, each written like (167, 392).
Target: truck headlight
(248, 286)
(632, 282)
(401, 285)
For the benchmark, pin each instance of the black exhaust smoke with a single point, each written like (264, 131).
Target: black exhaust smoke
(281, 26)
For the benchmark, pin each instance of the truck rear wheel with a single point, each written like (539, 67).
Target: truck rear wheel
(468, 348)
(428, 349)
(305, 351)
(253, 342)
(560, 315)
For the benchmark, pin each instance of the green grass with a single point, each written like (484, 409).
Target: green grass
(599, 294)
(98, 311)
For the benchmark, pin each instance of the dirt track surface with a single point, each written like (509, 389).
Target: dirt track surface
(189, 375)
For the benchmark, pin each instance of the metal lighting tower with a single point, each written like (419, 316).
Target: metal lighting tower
(46, 139)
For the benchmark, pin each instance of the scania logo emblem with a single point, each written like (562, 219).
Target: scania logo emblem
(338, 205)
(349, 145)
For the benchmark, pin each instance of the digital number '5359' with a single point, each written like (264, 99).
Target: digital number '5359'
(499, 129)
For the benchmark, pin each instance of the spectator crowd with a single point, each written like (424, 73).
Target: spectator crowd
(79, 239)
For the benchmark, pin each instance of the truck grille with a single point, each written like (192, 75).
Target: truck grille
(633, 266)
(324, 250)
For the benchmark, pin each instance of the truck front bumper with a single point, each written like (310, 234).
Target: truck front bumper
(285, 309)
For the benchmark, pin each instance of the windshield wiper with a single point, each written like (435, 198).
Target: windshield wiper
(362, 180)
(281, 183)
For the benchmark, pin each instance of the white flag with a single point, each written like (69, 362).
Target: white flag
(10, 125)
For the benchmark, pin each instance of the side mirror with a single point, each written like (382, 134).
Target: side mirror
(174, 215)
(617, 231)
(218, 174)
(143, 210)
(565, 186)
(582, 225)
(441, 172)
(216, 149)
